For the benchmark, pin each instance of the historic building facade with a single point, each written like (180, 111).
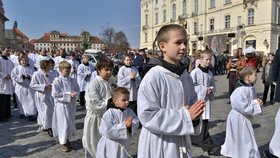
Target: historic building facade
(55, 40)
(3, 19)
(16, 39)
(222, 25)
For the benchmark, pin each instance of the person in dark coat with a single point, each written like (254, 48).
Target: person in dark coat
(276, 74)
(267, 79)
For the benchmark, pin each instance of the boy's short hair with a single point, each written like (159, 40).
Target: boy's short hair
(205, 52)
(116, 91)
(246, 71)
(44, 64)
(64, 65)
(51, 61)
(72, 54)
(104, 63)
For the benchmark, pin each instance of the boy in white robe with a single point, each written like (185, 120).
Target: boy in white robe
(74, 65)
(167, 102)
(41, 82)
(128, 77)
(205, 88)
(240, 139)
(84, 74)
(65, 90)
(6, 85)
(43, 56)
(98, 92)
(118, 124)
(21, 75)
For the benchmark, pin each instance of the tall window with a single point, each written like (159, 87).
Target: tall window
(156, 18)
(146, 5)
(184, 7)
(250, 16)
(156, 1)
(195, 28)
(212, 25)
(146, 37)
(146, 19)
(174, 11)
(227, 21)
(227, 1)
(212, 3)
(239, 20)
(278, 16)
(195, 6)
(164, 16)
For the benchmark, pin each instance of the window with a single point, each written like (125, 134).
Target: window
(156, 1)
(174, 11)
(251, 17)
(212, 24)
(195, 28)
(227, 1)
(184, 7)
(146, 37)
(227, 21)
(278, 15)
(212, 3)
(164, 16)
(156, 18)
(146, 19)
(146, 5)
(195, 6)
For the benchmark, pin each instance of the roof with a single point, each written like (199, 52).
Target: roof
(46, 39)
(19, 33)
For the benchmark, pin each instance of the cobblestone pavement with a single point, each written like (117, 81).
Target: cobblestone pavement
(18, 137)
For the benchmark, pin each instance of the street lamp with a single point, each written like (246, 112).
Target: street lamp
(265, 43)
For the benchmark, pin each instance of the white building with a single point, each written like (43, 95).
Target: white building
(55, 40)
(222, 25)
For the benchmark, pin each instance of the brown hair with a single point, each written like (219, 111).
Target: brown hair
(44, 64)
(104, 63)
(246, 71)
(64, 65)
(162, 35)
(117, 91)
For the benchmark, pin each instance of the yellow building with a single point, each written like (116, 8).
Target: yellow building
(222, 25)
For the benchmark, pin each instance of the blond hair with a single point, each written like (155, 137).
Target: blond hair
(64, 65)
(246, 71)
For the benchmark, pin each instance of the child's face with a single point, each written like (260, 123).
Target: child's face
(205, 60)
(65, 72)
(122, 101)
(252, 78)
(106, 73)
(127, 61)
(85, 59)
(175, 49)
(24, 62)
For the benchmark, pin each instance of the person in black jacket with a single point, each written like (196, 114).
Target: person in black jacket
(267, 79)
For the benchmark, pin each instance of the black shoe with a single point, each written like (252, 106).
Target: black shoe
(216, 151)
(32, 118)
(267, 154)
(21, 116)
(228, 102)
(271, 102)
(50, 132)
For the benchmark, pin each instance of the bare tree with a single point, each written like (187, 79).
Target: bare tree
(114, 41)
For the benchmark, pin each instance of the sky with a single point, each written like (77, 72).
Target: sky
(36, 17)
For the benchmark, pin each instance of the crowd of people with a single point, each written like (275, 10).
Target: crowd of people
(167, 94)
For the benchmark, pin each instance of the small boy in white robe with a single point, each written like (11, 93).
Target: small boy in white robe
(65, 90)
(21, 75)
(97, 94)
(240, 139)
(118, 124)
(84, 74)
(41, 82)
(128, 77)
(74, 65)
(205, 88)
